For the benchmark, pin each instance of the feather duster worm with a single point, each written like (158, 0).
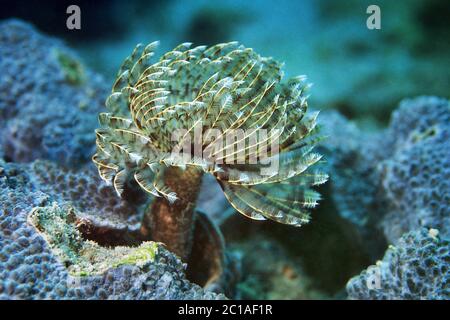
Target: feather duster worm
(202, 96)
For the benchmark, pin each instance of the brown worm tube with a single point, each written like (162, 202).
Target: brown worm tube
(173, 224)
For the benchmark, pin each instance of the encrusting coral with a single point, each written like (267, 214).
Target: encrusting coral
(84, 257)
(415, 178)
(416, 268)
(89, 195)
(396, 180)
(48, 101)
(32, 268)
(110, 220)
(225, 87)
(352, 159)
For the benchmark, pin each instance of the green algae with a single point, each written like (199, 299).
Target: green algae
(72, 68)
(81, 257)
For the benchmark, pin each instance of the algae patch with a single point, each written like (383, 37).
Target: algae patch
(58, 226)
(72, 69)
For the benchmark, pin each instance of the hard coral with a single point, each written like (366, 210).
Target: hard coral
(415, 180)
(91, 196)
(395, 180)
(416, 268)
(352, 158)
(30, 269)
(59, 226)
(48, 101)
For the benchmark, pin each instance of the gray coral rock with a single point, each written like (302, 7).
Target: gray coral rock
(416, 268)
(390, 183)
(48, 100)
(351, 158)
(29, 269)
(88, 193)
(396, 180)
(415, 180)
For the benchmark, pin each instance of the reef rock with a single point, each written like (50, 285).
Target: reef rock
(90, 195)
(396, 180)
(48, 100)
(351, 159)
(415, 179)
(416, 268)
(31, 268)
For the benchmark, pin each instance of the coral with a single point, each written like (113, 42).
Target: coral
(29, 269)
(83, 257)
(108, 219)
(395, 180)
(48, 101)
(352, 158)
(417, 119)
(416, 268)
(91, 196)
(415, 179)
(72, 68)
(350, 161)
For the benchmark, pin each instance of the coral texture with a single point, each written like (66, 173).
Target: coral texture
(89, 194)
(396, 180)
(214, 91)
(351, 161)
(416, 178)
(48, 100)
(416, 268)
(59, 226)
(29, 269)
(352, 157)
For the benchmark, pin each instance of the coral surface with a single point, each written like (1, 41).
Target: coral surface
(395, 180)
(351, 160)
(352, 157)
(415, 179)
(416, 268)
(31, 269)
(48, 100)
(89, 194)
(59, 226)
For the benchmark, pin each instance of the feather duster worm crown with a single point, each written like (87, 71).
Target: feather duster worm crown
(224, 87)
